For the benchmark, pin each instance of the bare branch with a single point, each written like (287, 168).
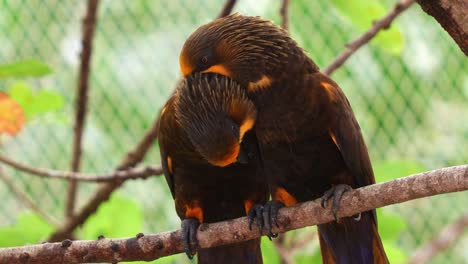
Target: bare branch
(378, 25)
(89, 24)
(227, 9)
(286, 256)
(103, 192)
(284, 14)
(122, 175)
(151, 247)
(24, 198)
(451, 15)
(445, 238)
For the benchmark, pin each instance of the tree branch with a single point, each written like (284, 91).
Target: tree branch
(24, 198)
(103, 193)
(284, 14)
(89, 24)
(378, 25)
(451, 15)
(227, 9)
(122, 175)
(151, 247)
(445, 238)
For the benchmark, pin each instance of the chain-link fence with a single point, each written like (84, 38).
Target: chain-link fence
(408, 88)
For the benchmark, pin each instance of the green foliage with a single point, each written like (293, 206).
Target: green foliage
(118, 217)
(30, 228)
(362, 13)
(388, 170)
(391, 225)
(269, 252)
(24, 68)
(36, 103)
(305, 259)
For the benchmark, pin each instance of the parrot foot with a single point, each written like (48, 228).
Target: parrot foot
(336, 192)
(256, 215)
(270, 216)
(189, 236)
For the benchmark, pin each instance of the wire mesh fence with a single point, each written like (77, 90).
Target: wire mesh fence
(408, 88)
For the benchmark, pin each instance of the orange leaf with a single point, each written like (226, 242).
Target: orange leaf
(11, 115)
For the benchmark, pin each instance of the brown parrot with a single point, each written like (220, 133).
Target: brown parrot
(310, 142)
(211, 162)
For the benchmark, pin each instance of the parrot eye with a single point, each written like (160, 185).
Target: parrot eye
(204, 60)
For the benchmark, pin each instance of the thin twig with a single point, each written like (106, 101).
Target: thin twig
(151, 247)
(122, 175)
(227, 8)
(89, 25)
(284, 14)
(286, 256)
(24, 198)
(103, 193)
(378, 25)
(444, 239)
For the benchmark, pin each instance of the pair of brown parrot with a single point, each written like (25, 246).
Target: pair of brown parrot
(255, 117)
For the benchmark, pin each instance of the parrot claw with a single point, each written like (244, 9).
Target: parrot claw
(256, 215)
(336, 192)
(189, 236)
(270, 216)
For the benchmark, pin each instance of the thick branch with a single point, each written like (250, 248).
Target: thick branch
(122, 175)
(227, 8)
(89, 24)
(24, 198)
(151, 247)
(445, 238)
(103, 193)
(378, 25)
(284, 14)
(451, 15)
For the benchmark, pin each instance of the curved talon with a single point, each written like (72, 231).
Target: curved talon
(189, 236)
(270, 215)
(256, 214)
(336, 192)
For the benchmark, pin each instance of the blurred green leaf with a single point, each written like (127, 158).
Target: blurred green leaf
(390, 224)
(394, 254)
(306, 259)
(118, 217)
(269, 252)
(37, 103)
(29, 229)
(363, 13)
(390, 169)
(24, 68)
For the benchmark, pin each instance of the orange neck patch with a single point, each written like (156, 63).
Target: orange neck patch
(246, 126)
(185, 67)
(219, 69)
(264, 82)
(229, 158)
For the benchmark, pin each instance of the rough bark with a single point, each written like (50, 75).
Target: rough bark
(151, 247)
(452, 16)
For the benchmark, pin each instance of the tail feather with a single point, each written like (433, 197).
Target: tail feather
(351, 241)
(248, 252)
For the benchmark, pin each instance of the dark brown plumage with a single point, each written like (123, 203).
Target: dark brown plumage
(310, 141)
(205, 127)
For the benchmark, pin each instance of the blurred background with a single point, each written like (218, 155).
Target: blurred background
(408, 88)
